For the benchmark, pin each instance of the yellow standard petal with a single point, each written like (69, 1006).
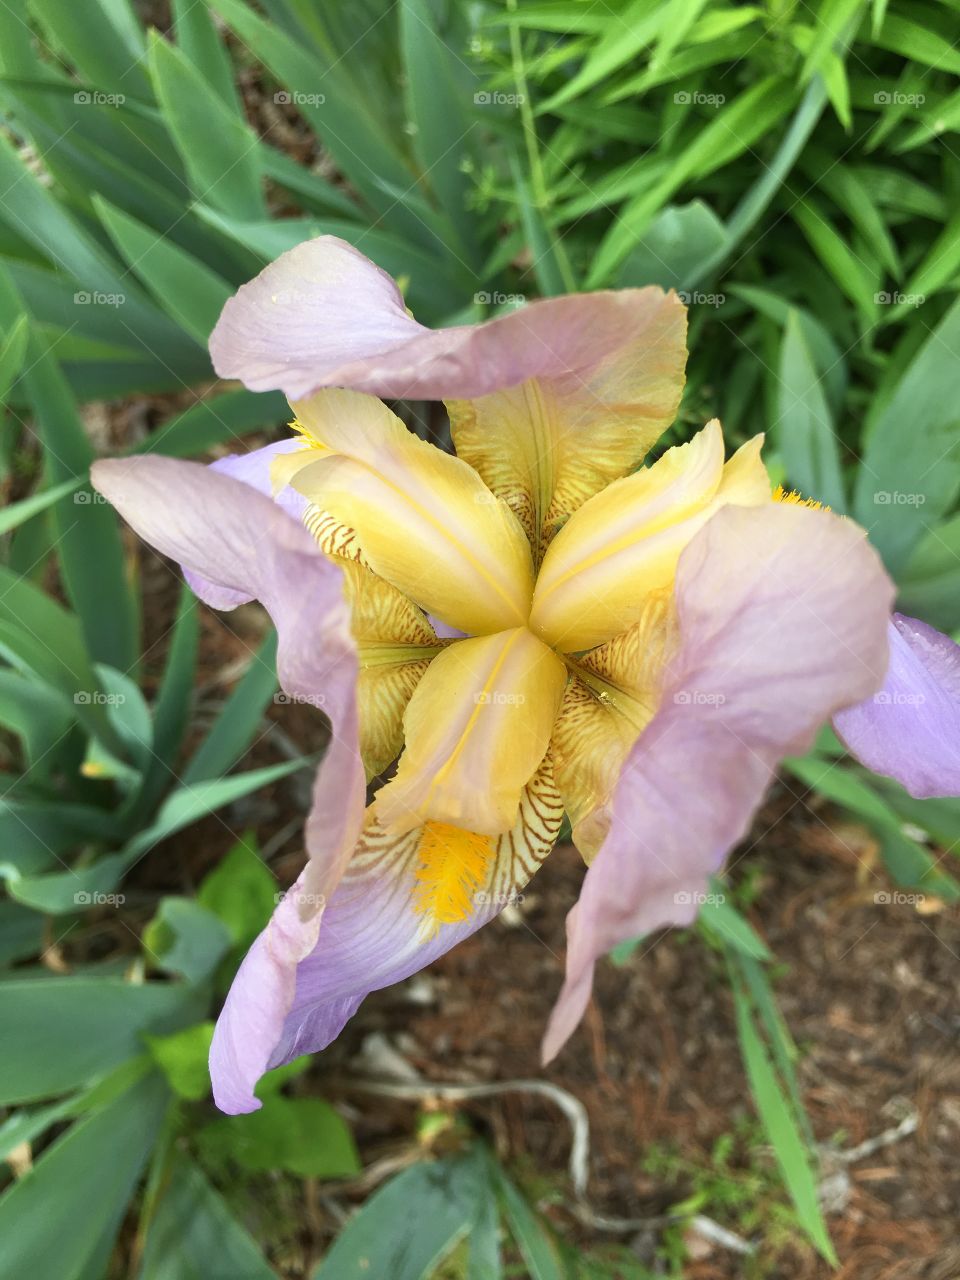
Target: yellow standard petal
(476, 729)
(546, 446)
(626, 541)
(425, 520)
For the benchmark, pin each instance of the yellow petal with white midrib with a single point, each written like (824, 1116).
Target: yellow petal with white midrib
(476, 729)
(425, 520)
(626, 542)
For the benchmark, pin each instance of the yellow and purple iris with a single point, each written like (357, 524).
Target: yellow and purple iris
(536, 625)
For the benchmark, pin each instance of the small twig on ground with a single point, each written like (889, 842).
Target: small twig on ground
(578, 1164)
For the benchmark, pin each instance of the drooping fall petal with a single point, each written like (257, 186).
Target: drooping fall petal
(238, 545)
(910, 728)
(302, 980)
(625, 542)
(476, 730)
(323, 315)
(424, 519)
(782, 615)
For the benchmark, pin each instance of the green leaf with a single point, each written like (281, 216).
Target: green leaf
(241, 891)
(530, 1232)
(37, 714)
(104, 40)
(804, 431)
(182, 1057)
(781, 1128)
(27, 616)
(66, 1032)
(13, 349)
(386, 1239)
(186, 938)
(234, 728)
(88, 540)
(192, 1234)
(909, 474)
(27, 508)
(171, 713)
(197, 36)
(58, 892)
(305, 1136)
(61, 1217)
(721, 918)
(188, 291)
(439, 88)
(908, 863)
(670, 252)
(219, 149)
(857, 279)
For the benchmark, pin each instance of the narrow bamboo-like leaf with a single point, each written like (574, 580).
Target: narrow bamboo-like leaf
(781, 1128)
(26, 508)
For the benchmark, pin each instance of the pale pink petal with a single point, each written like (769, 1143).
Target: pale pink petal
(783, 614)
(323, 315)
(253, 468)
(238, 545)
(910, 729)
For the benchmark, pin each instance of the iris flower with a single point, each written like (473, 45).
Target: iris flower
(539, 624)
